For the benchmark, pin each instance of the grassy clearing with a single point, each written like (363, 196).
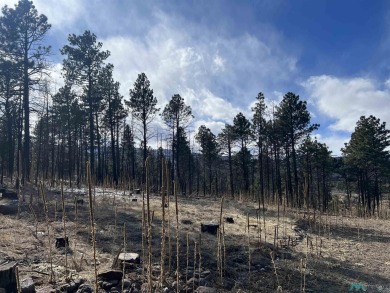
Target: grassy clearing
(301, 254)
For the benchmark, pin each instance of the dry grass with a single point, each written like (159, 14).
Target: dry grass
(325, 256)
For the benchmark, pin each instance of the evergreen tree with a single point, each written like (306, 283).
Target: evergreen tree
(293, 120)
(129, 164)
(242, 133)
(9, 89)
(22, 32)
(66, 110)
(82, 67)
(259, 132)
(176, 115)
(114, 113)
(143, 106)
(368, 156)
(226, 139)
(316, 165)
(183, 152)
(209, 148)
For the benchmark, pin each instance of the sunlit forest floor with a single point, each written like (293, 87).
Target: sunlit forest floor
(290, 251)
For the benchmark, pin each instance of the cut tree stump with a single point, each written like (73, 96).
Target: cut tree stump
(129, 257)
(209, 228)
(27, 285)
(8, 277)
(229, 220)
(110, 275)
(80, 201)
(10, 195)
(61, 242)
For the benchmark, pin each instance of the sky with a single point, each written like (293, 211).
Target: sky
(218, 55)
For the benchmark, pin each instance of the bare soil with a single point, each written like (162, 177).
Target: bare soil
(296, 251)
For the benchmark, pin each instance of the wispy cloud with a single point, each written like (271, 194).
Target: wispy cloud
(346, 99)
(218, 73)
(218, 76)
(342, 101)
(62, 14)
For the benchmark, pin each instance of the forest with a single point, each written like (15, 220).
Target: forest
(86, 131)
(269, 155)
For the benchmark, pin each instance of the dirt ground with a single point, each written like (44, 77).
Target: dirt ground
(293, 252)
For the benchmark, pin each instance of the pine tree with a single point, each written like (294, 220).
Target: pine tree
(226, 139)
(22, 32)
(293, 120)
(316, 165)
(82, 67)
(209, 148)
(259, 132)
(9, 89)
(176, 115)
(114, 113)
(143, 107)
(368, 156)
(242, 133)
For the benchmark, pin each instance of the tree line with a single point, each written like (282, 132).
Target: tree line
(271, 156)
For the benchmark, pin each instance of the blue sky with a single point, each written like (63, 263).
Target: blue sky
(219, 54)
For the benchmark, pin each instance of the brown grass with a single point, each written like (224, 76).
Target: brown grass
(325, 255)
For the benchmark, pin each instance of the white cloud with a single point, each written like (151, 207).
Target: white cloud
(216, 108)
(346, 99)
(334, 141)
(56, 79)
(215, 128)
(217, 76)
(61, 14)
(9, 3)
(218, 64)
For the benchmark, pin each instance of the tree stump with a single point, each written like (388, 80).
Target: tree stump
(8, 277)
(129, 257)
(80, 201)
(62, 242)
(209, 228)
(27, 285)
(10, 195)
(229, 220)
(110, 275)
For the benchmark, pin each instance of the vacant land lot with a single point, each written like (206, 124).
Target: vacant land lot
(256, 250)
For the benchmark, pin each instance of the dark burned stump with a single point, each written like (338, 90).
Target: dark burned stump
(8, 277)
(209, 228)
(110, 275)
(79, 201)
(62, 242)
(109, 279)
(186, 222)
(229, 220)
(10, 195)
